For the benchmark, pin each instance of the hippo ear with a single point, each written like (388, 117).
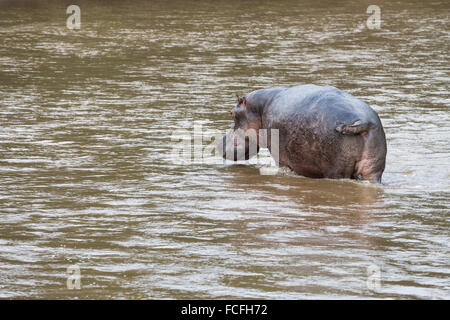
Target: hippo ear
(241, 100)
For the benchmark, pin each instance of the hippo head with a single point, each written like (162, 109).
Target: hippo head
(241, 141)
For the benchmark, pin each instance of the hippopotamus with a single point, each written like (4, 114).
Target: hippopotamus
(323, 132)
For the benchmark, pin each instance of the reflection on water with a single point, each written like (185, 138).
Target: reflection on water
(86, 119)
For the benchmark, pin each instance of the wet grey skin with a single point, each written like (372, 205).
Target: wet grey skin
(323, 132)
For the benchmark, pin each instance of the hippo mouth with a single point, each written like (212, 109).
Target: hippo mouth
(234, 149)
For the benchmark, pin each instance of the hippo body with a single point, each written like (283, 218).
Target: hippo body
(323, 131)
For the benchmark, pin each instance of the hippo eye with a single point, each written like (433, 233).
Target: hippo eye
(238, 113)
(240, 117)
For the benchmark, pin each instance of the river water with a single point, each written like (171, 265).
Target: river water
(87, 119)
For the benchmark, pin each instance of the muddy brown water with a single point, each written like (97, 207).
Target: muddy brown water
(86, 120)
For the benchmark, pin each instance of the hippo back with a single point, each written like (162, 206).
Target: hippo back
(320, 108)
